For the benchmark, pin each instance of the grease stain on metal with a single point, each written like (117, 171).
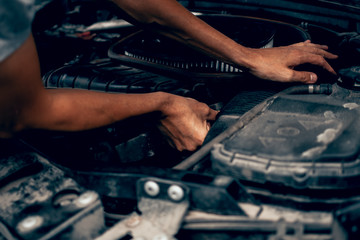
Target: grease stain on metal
(313, 152)
(351, 106)
(329, 115)
(327, 136)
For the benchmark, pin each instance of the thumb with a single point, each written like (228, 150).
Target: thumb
(304, 77)
(212, 115)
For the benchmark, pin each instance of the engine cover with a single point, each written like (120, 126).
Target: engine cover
(298, 141)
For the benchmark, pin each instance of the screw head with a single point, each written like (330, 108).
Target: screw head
(152, 188)
(86, 198)
(30, 223)
(176, 193)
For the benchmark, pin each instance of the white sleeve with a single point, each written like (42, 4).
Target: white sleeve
(15, 24)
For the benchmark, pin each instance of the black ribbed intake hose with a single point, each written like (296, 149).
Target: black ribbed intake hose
(307, 89)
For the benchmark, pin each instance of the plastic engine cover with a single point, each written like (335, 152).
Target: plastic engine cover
(300, 141)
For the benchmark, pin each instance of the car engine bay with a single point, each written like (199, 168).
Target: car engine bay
(281, 161)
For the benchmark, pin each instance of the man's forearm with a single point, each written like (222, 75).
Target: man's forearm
(183, 121)
(75, 109)
(175, 21)
(25, 103)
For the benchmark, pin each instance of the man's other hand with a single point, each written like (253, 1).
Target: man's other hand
(185, 122)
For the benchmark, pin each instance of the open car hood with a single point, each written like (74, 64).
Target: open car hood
(282, 161)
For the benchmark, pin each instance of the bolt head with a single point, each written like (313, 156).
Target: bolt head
(86, 199)
(176, 193)
(30, 223)
(152, 188)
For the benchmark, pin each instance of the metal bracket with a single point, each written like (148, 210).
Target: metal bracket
(163, 205)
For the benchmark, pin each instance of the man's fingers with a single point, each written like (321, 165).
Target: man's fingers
(320, 61)
(322, 53)
(305, 77)
(212, 115)
(316, 49)
(208, 126)
(310, 44)
(316, 60)
(319, 46)
(310, 77)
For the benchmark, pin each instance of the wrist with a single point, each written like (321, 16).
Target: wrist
(245, 57)
(165, 101)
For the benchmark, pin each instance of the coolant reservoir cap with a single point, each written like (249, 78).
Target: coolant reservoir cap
(350, 78)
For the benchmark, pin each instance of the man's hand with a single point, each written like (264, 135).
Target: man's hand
(185, 122)
(278, 63)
